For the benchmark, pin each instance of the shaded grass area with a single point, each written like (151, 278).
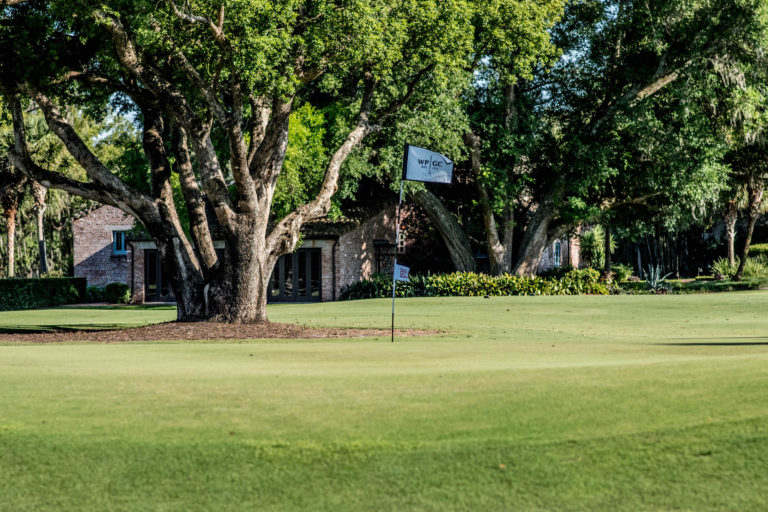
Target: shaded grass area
(524, 403)
(83, 318)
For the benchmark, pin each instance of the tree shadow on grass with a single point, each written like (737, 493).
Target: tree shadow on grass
(700, 342)
(38, 329)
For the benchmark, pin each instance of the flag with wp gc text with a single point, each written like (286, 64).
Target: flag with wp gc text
(421, 164)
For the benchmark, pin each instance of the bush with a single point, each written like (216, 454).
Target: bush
(722, 268)
(117, 293)
(96, 294)
(756, 250)
(621, 272)
(468, 284)
(755, 266)
(16, 294)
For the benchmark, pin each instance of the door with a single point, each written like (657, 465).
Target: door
(156, 289)
(297, 277)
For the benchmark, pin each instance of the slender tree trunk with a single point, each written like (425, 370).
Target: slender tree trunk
(453, 235)
(731, 214)
(10, 225)
(607, 246)
(497, 251)
(755, 191)
(40, 193)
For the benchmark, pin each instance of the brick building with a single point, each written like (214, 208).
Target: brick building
(332, 256)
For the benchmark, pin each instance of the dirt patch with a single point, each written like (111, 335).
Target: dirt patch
(171, 331)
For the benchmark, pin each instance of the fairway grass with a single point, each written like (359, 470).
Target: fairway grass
(519, 403)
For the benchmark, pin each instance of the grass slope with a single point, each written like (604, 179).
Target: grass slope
(524, 403)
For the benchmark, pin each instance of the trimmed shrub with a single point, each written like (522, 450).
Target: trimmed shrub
(117, 293)
(16, 294)
(469, 284)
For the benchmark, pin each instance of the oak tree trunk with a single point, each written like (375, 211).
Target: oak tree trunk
(755, 191)
(535, 239)
(453, 235)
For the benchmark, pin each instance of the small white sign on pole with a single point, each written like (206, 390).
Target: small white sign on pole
(401, 272)
(424, 165)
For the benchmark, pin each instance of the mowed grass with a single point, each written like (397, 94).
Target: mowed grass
(519, 403)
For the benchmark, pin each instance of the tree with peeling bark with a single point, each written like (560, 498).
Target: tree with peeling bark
(12, 185)
(213, 85)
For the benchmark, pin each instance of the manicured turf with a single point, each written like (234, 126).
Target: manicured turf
(523, 403)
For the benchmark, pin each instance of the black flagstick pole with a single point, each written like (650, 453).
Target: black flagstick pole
(394, 261)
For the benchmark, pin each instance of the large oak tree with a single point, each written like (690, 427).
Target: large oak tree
(213, 84)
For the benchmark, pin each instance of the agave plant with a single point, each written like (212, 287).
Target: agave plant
(654, 280)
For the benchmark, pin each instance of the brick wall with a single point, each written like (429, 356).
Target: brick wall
(569, 254)
(92, 249)
(356, 254)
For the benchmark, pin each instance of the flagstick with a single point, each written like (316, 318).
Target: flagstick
(394, 261)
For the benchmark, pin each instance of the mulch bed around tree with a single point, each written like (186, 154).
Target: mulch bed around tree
(191, 331)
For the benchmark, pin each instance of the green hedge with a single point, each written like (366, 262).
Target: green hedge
(39, 293)
(757, 250)
(572, 282)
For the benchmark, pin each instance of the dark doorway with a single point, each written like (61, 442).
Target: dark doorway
(297, 277)
(156, 289)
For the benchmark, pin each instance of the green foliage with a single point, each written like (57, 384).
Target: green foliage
(305, 161)
(18, 294)
(654, 280)
(621, 272)
(117, 293)
(469, 284)
(96, 294)
(755, 266)
(592, 247)
(758, 250)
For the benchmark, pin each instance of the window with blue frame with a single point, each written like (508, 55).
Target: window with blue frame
(118, 243)
(557, 254)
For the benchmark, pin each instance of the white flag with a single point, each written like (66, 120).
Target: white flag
(401, 272)
(422, 164)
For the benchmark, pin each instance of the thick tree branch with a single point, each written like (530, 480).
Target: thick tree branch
(21, 160)
(208, 92)
(662, 76)
(216, 29)
(210, 169)
(94, 169)
(283, 237)
(395, 105)
(260, 112)
(266, 163)
(198, 219)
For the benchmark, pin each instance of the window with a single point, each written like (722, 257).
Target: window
(557, 254)
(118, 242)
(401, 241)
